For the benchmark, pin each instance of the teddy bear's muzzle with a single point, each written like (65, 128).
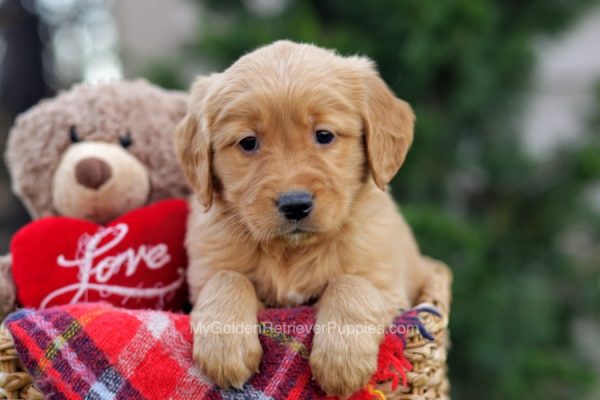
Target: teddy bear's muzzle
(92, 172)
(99, 181)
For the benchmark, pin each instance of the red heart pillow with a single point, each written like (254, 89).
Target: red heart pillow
(136, 261)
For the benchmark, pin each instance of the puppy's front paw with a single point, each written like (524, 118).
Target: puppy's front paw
(344, 363)
(227, 359)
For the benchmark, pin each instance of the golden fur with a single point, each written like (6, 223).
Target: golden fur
(354, 254)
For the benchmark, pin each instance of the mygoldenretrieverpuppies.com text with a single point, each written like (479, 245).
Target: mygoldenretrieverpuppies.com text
(270, 328)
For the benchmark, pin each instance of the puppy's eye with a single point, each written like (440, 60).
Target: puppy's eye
(324, 137)
(249, 144)
(73, 135)
(126, 140)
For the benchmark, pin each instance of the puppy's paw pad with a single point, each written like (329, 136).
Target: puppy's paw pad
(343, 370)
(228, 360)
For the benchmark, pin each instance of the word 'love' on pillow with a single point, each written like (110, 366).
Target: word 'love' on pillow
(136, 261)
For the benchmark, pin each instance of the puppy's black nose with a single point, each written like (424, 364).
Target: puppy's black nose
(295, 205)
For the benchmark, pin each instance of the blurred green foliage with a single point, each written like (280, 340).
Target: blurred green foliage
(520, 235)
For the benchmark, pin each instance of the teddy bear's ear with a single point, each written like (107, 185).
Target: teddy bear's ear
(193, 145)
(31, 158)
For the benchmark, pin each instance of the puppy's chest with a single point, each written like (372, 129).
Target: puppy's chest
(283, 282)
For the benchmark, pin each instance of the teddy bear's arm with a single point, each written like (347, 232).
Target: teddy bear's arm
(7, 286)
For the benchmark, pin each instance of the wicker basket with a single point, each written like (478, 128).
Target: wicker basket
(15, 383)
(427, 380)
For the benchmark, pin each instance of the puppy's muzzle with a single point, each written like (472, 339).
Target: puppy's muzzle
(295, 205)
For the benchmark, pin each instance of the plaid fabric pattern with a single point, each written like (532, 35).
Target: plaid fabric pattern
(98, 351)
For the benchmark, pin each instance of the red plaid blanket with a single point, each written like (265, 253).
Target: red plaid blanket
(97, 351)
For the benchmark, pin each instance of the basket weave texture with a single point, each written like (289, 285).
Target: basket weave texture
(426, 381)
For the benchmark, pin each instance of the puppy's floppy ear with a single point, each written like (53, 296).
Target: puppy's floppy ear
(389, 124)
(193, 144)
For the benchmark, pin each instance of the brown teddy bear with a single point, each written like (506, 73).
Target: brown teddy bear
(124, 157)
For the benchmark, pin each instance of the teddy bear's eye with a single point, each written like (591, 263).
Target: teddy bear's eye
(74, 136)
(126, 140)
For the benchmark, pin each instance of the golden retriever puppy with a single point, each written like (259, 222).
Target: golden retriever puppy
(289, 152)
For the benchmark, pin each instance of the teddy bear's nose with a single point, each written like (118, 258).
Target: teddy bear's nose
(92, 172)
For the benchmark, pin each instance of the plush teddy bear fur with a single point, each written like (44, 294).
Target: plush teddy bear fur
(124, 127)
(7, 288)
(102, 113)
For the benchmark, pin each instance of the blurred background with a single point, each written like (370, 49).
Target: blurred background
(503, 179)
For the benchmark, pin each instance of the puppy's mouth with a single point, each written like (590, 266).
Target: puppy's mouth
(297, 230)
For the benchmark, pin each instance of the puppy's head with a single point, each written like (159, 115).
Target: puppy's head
(287, 137)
